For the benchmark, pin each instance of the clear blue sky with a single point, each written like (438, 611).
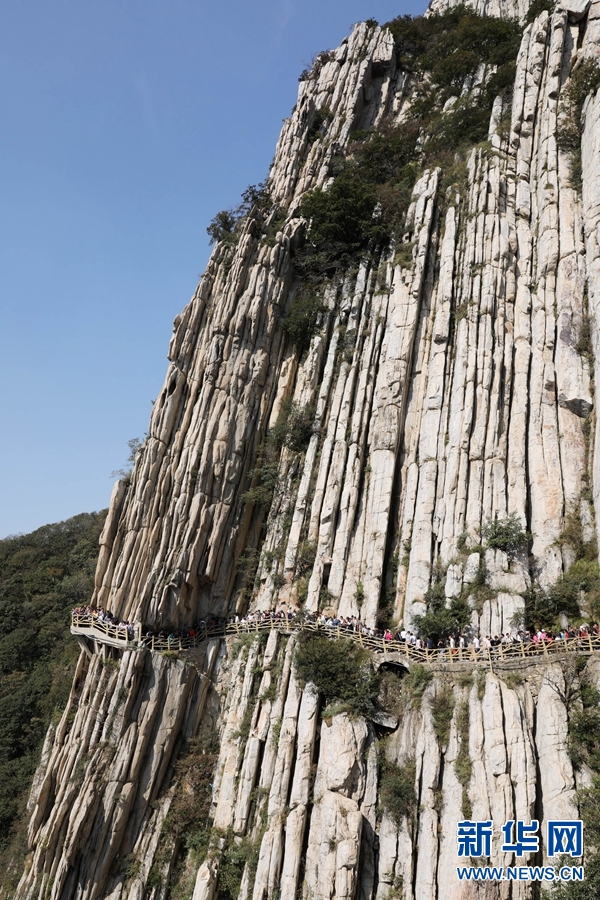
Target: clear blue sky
(126, 125)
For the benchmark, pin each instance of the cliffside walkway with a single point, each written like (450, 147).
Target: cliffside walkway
(395, 651)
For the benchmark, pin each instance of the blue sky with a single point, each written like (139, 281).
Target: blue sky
(125, 127)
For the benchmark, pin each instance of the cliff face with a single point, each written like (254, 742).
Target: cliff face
(299, 800)
(449, 385)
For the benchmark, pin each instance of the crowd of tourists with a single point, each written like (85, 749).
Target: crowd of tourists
(518, 641)
(514, 641)
(118, 627)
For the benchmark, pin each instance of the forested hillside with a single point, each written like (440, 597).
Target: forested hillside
(42, 576)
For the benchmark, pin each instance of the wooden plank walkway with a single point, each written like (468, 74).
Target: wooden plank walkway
(393, 651)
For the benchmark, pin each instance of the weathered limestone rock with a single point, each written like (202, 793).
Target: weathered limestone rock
(333, 853)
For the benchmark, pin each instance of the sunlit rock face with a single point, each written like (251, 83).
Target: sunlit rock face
(448, 386)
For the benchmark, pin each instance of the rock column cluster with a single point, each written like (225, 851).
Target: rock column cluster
(448, 388)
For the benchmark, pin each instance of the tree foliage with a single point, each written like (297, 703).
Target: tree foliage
(537, 7)
(589, 889)
(293, 429)
(441, 620)
(342, 223)
(453, 44)
(223, 225)
(340, 670)
(397, 794)
(506, 534)
(367, 202)
(303, 318)
(584, 81)
(42, 576)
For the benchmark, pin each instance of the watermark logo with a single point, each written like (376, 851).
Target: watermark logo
(475, 838)
(521, 838)
(565, 837)
(527, 840)
(520, 873)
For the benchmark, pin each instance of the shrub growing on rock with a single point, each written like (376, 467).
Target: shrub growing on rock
(416, 683)
(341, 225)
(397, 789)
(302, 320)
(537, 7)
(506, 534)
(441, 621)
(339, 669)
(583, 81)
(442, 710)
(368, 200)
(223, 225)
(589, 808)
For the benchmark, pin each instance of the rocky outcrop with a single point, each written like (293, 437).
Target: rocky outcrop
(447, 388)
(298, 796)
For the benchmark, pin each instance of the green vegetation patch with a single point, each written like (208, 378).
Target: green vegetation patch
(365, 207)
(442, 711)
(43, 575)
(441, 620)
(397, 789)
(589, 808)
(584, 727)
(340, 670)
(294, 427)
(416, 682)
(225, 225)
(342, 225)
(584, 81)
(463, 765)
(578, 587)
(537, 7)
(303, 318)
(454, 44)
(506, 534)
(188, 824)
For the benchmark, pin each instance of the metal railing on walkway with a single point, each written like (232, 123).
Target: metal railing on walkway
(83, 624)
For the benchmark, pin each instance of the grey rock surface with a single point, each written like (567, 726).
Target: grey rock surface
(448, 389)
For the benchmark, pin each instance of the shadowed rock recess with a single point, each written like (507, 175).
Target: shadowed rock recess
(391, 352)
